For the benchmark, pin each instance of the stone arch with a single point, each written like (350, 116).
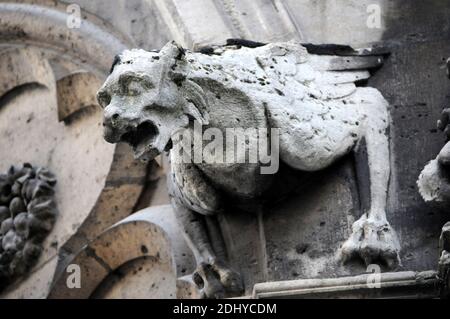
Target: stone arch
(23, 66)
(151, 233)
(76, 93)
(37, 47)
(94, 44)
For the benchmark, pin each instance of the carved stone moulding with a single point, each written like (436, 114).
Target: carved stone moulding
(406, 284)
(46, 27)
(21, 67)
(266, 21)
(148, 239)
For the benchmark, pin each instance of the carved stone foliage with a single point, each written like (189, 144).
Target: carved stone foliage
(27, 214)
(50, 74)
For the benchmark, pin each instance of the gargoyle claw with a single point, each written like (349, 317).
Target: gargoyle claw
(217, 281)
(373, 241)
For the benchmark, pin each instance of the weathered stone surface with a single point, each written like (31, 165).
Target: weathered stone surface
(151, 233)
(23, 67)
(61, 148)
(42, 27)
(321, 115)
(140, 21)
(412, 81)
(36, 285)
(29, 213)
(444, 240)
(143, 278)
(444, 261)
(76, 92)
(433, 182)
(46, 25)
(416, 86)
(389, 285)
(187, 289)
(84, 163)
(262, 21)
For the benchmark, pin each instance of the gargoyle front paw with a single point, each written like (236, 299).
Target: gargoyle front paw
(373, 241)
(217, 281)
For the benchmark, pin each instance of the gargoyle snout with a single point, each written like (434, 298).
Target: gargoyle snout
(115, 124)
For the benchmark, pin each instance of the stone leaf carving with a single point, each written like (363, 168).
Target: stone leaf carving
(312, 98)
(27, 214)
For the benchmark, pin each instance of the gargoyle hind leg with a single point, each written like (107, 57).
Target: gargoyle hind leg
(213, 277)
(372, 238)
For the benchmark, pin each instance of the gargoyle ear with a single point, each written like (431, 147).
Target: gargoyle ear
(192, 111)
(173, 50)
(196, 105)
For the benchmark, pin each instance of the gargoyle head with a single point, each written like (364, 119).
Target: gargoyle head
(147, 99)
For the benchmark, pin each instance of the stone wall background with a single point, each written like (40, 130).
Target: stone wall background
(303, 233)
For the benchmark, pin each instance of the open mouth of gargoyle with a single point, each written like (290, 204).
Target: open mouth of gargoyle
(141, 138)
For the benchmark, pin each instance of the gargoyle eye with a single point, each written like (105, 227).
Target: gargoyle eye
(147, 84)
(103, 98)
(135, 87)
(131, 83)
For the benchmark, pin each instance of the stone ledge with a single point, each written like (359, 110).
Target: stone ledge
(406, 284)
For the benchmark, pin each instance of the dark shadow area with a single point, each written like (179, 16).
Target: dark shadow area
(9, 96)
(413, 80)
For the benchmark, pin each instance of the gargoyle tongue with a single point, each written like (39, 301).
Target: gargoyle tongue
(142, 139)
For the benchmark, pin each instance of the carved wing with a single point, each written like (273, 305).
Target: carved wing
(339, 69)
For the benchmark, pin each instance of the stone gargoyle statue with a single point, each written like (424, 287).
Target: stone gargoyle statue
(434, 187)
(312, 99)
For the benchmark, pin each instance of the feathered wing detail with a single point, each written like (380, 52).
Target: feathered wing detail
(337, 75)
(341, 115)
(323, 111)
(187, 184)
(310, 94)
(339, 70)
